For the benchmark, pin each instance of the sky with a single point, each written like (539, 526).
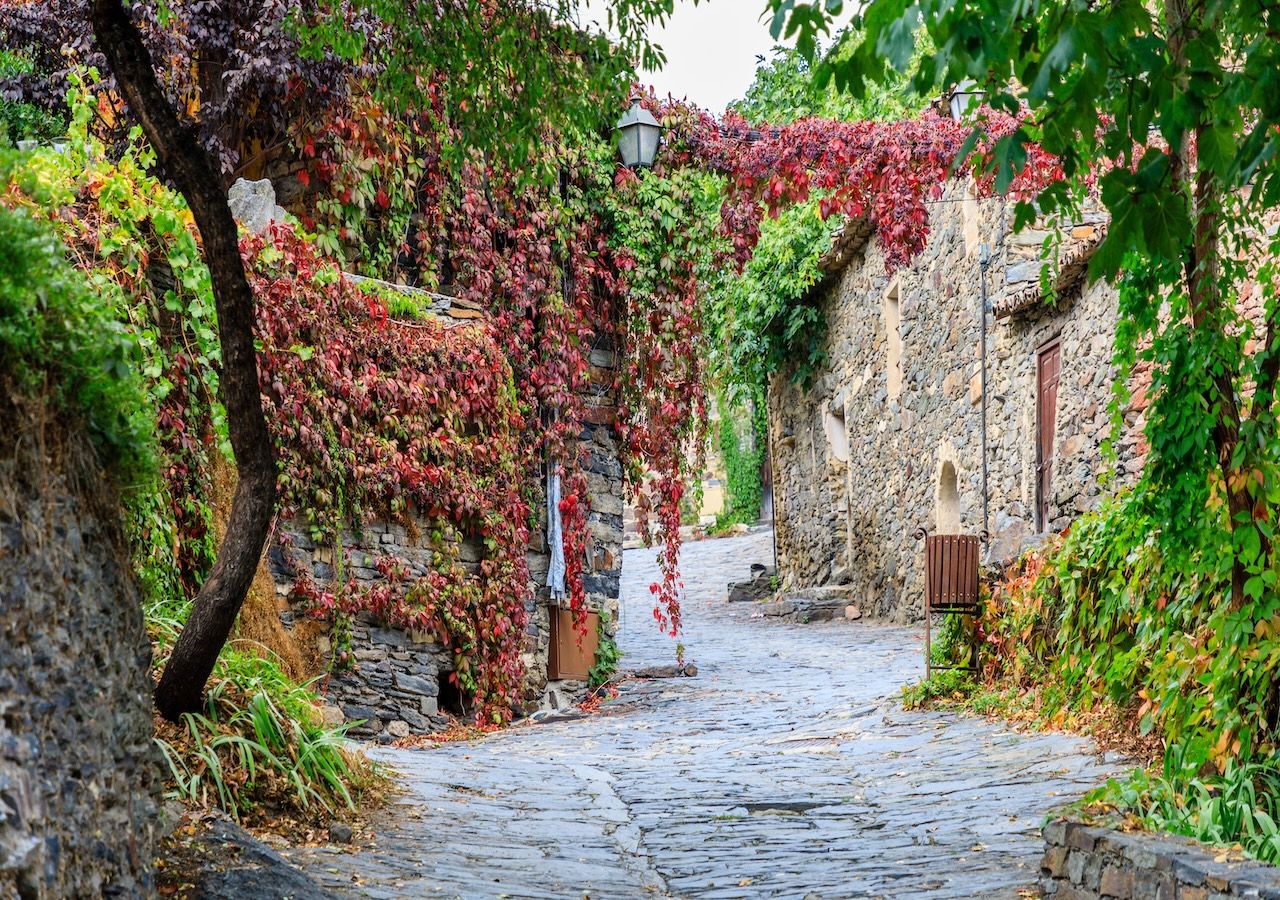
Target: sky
(712, 50)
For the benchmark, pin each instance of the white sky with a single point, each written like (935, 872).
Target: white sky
(712, 51)
(711, 48)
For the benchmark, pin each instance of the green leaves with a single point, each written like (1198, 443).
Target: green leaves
(57, 335)
(510, 75)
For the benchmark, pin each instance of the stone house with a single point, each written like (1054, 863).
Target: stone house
(889, 436)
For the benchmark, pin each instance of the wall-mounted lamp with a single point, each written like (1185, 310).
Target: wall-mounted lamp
(963, 97)
(638, 134)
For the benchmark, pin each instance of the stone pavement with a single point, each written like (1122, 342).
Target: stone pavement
(786, 768)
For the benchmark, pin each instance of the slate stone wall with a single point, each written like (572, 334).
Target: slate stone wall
(866, 455)
(1083, 862)
(79, 773)
(390, 682)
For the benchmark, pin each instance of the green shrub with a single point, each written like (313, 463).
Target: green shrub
(21, 121)
(945, 684)
(260, 745)
(742, 462)
(1105, 619)
(608, 656)
(58, 339)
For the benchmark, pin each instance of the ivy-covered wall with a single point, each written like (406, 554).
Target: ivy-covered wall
(390, 679)
(888, 437)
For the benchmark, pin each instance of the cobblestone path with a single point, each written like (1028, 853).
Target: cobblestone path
(786, 768)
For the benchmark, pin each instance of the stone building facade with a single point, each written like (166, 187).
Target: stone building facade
(888, 437)
(398, 682)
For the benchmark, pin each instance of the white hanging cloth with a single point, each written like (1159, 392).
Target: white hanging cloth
(555, 536)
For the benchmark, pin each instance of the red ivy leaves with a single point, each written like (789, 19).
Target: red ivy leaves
(374, 418)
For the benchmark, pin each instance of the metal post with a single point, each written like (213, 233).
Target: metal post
(984, 261)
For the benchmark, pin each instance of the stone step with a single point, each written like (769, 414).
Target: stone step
(815, 604)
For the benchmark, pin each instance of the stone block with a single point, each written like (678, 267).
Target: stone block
(600, 415)
(1116, 881)
(388, 637)
(1054, 862)
(1023, 272)
(1077, 860)
(414, 684)
(253, 204)
(353, 712)
(1055, 833)
(746, 591)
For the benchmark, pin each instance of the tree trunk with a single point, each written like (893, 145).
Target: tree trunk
(185, 161)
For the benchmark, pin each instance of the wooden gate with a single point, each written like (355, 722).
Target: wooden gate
(1048, 368)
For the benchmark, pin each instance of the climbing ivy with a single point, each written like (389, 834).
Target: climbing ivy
(743, 457)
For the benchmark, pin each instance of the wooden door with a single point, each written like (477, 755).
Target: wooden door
(1048, 368)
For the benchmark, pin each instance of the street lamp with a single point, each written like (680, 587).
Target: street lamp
(964, 96)
(638, 132)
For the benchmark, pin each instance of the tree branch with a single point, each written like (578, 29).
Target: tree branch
(188, 164)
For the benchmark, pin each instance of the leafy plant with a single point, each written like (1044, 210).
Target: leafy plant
(260, 746)
(239, 72)
(1240, 807)
(951, 685)
(20, 120)
(743, 489)
(608, 655)
(950, 646)
(57, 336)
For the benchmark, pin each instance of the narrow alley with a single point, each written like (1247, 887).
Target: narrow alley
(787, 767)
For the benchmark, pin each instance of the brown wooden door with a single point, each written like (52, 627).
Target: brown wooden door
(1048, 368)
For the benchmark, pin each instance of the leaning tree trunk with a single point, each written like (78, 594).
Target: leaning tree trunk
(187, 162)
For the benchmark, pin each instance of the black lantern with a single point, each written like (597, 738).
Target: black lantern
(638, 132)
(963, 97)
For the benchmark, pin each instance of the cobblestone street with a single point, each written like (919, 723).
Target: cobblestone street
(785, 768)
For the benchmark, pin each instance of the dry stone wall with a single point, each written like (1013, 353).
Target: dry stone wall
(79, 773)
(1086, 862)
(888, 437)
(389, 684)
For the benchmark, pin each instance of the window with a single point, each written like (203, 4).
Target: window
(893, 342)
(837, 433)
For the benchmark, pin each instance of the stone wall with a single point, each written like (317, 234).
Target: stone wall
(887, 438)
(390, 683)
(79, 773)
(602, 572)
(1083, 862)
